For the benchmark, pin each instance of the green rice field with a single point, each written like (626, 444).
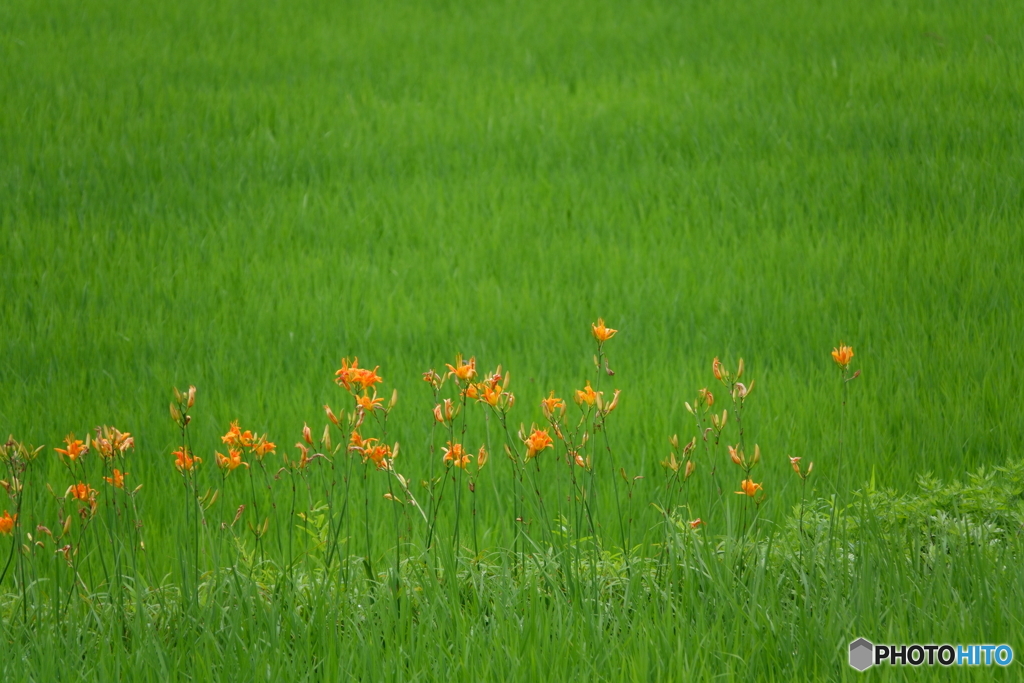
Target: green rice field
(238, 196)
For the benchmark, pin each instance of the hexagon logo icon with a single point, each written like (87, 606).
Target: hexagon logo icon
(862, 654)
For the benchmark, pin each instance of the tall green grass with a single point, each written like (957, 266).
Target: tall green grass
(236, 196)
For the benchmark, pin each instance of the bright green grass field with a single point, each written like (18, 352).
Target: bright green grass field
(237, 195)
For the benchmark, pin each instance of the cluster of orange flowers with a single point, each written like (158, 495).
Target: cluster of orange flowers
(371, 450)
(110, 442)
(236, 439)
(355, 379)
(493, 391)
(456, 456)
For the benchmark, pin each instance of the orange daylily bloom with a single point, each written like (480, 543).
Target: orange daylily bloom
(536, 442)
(117, 481)
(7, 523)
(184, 460)
(696, 523)
(379, 454)
(795, 462)
(350, 375)
(109, 440)
(236, 437)
(369, 404)
(358, 443)
(749, 488)
(456, 455)
(494, 395)
(76, 448)
(586, 395)
(262, 447)
(602, 333)
(464, 370)
(82, 492)
(231, 461)
(551, 404)
(843, 355)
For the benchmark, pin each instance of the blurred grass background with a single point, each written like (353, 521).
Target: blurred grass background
(236, 195)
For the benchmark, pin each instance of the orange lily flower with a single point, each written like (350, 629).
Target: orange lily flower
(536, 442)
(456, 455)
(110, 440)
(696, 523)
(236, 437)
(464, 370)
(184, 460)
(82, 492)
(432, 378)
(843, 355)
(494, 395)
(379, 454)
(262, 447)
(231, 461)
(358, 443)
(350, 375)
(117, 481)
(795, 462)
(551, 404)
(602, 333)
(369, 404)
(76, 448)
(586, 395)
(749, 488)
(7, 523)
